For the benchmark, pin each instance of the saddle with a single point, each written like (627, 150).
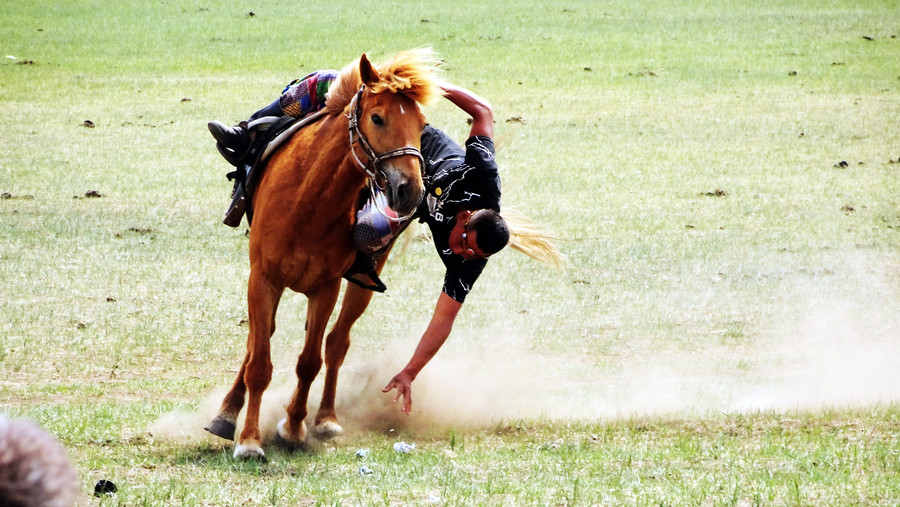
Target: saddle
(267, 134)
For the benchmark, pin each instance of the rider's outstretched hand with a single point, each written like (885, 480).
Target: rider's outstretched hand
(401, 382)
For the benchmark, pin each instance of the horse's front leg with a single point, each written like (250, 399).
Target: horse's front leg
(262, 299)
(292, 430)
(356, 300)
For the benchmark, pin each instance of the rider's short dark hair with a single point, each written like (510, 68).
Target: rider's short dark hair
(491, 231)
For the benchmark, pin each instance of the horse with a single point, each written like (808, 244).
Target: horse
(301, 238)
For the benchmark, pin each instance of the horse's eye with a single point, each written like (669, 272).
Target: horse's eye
(377, 120)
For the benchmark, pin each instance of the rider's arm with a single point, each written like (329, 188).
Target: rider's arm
(434, 337)
(478, 108)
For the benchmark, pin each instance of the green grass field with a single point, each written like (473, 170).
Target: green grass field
(723, 178)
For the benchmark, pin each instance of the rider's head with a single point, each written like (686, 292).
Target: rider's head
(478, 234)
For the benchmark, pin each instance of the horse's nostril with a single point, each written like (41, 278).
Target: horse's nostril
(402, 192)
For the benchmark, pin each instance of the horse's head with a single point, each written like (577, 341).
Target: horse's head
(389, 122)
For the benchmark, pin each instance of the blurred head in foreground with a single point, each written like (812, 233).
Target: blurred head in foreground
(34, 467)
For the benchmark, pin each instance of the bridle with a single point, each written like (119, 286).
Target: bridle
(373, 169)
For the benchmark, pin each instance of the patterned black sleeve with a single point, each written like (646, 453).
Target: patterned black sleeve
(486, 179)
(461, 277)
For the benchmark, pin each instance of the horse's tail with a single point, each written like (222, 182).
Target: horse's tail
(531, 239)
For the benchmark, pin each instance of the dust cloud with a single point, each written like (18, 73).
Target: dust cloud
(836, 353)
(839, 357)
(834, 356)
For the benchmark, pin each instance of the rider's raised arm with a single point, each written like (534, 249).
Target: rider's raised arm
(478, 108)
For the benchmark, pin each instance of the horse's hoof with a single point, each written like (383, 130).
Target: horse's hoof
(326, 430)
(287, 440)
(221, 426)
(249, 451)
(279, 442)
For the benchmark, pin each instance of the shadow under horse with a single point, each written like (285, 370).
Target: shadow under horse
(301, 238)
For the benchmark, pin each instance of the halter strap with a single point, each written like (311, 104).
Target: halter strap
(373, 168)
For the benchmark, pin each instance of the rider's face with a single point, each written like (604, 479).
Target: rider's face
(463, 238)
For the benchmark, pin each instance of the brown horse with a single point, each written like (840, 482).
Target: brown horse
(301, 237)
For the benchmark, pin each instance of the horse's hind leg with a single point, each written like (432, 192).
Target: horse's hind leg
(292, 430)
(224, 423)
(262, 300)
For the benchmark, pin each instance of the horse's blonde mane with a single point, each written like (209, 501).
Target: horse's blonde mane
(342, 90)
(525, 236)
(531, 239)
(412, 73)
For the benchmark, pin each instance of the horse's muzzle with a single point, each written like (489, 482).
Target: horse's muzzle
(404, 193)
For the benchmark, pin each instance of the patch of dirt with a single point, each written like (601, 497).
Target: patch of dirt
(8, 196)
(90, 194)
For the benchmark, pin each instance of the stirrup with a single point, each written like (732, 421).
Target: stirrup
(376, 286)
(237, 208)
(365, 266)
(229, 156)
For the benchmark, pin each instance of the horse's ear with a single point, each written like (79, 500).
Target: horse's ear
(367, 72)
